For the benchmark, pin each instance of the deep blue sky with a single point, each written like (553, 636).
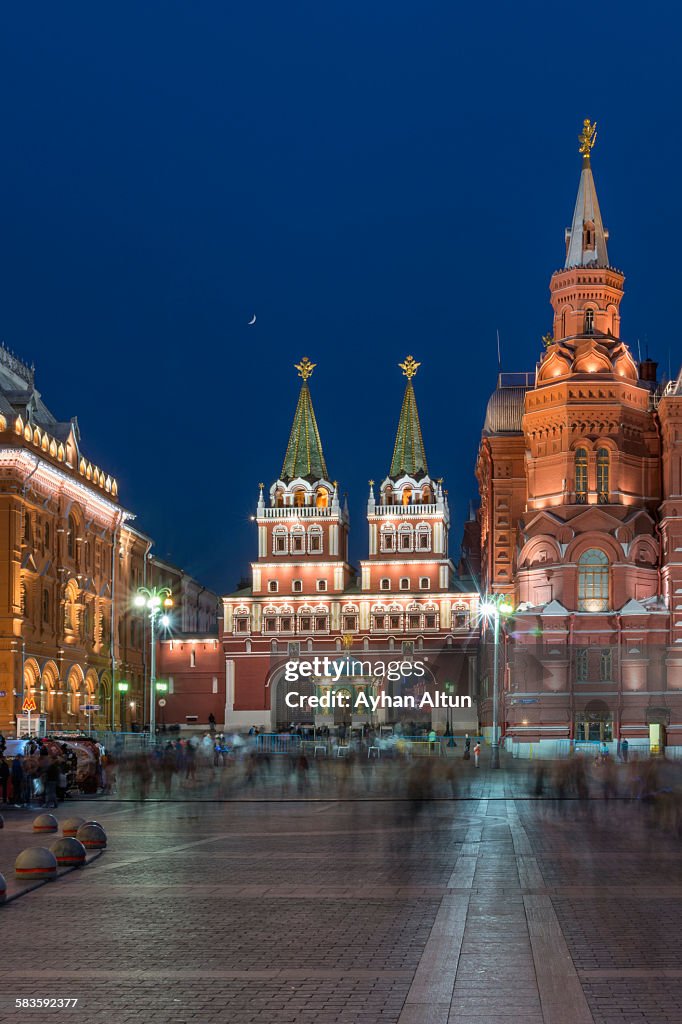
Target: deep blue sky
(370, 179)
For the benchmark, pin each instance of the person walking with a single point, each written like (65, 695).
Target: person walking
(477, 754)
(467, 747)
(51, 780)
(18, 781)
(4, 777)
(624, 746)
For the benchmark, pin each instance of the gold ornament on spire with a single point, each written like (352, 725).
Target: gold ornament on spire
(588, 137)
(305, 368)
(409, 367)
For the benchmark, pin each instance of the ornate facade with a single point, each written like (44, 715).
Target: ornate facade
(581, 518)
(68, 553)
(307, 600)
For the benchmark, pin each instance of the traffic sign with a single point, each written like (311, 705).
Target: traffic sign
(162, 702)
(29, 704)
(89, 707)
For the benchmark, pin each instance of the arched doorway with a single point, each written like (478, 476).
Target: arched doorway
(595, 723)
(75, 718)
(53, 702)
(104, 691)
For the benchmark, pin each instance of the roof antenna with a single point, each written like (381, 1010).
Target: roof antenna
(639, 351)
(499, 354)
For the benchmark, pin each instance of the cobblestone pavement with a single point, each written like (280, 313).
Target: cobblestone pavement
(492, 909)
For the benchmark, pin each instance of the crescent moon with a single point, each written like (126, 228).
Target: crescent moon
(252, 322)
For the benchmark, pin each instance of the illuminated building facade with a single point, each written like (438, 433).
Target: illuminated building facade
(579, 470)
(68, 558)
(306, 600)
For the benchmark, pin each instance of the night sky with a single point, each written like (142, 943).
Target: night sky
(369, 179)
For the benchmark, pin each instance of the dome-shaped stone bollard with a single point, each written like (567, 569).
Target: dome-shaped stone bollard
(35, 864)
(45, 823)
(69, 852)
(91, 821)
(71, 825)
(93, 837)
(3, 889)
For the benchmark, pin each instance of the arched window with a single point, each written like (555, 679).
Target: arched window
(299, 498)
(46, 605)
(322, 497)
(407, 495)
(603, 476)
(297, 540)
(581, 476)
(280, 540)
(315, 540)
(593, 581)
(388, 537)
(405, 537)
(423, 533)
(47, 535)
(27, 527)
(71, 537)
(589, 321)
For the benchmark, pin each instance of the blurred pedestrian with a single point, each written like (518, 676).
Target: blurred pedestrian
(4, 777)
(477, 754)
(624, 745)
(18, 776)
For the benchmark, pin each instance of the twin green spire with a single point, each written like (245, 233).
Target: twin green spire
(409, 456)
(304, 456)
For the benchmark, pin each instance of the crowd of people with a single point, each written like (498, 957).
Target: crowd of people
(41, 776)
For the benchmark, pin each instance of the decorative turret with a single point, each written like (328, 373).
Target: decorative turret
(586, 238)
(587, 292)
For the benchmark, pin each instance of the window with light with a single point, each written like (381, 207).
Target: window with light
(593, 581)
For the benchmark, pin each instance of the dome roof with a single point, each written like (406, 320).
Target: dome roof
(505, 411)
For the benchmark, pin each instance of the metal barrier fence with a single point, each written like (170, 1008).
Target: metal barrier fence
(122, 742)
(277, 743)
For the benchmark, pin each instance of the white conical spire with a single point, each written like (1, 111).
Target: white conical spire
(586, 238)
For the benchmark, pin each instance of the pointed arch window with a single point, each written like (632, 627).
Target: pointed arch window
(593, 581)
(581, 476)
(603, 476)
(71, 538)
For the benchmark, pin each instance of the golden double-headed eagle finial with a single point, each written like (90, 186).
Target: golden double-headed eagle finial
(409, 367)
(305, 368)
(588, 137)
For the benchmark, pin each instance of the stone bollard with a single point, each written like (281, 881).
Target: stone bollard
(71, 825)
(92, 836)
(35, 864)
(3, 889)
(45, 823)
(69, 852)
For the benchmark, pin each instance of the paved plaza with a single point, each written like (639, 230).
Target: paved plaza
(489, 909)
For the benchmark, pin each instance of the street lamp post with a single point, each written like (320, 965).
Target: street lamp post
(492, 609)
(154, 600)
